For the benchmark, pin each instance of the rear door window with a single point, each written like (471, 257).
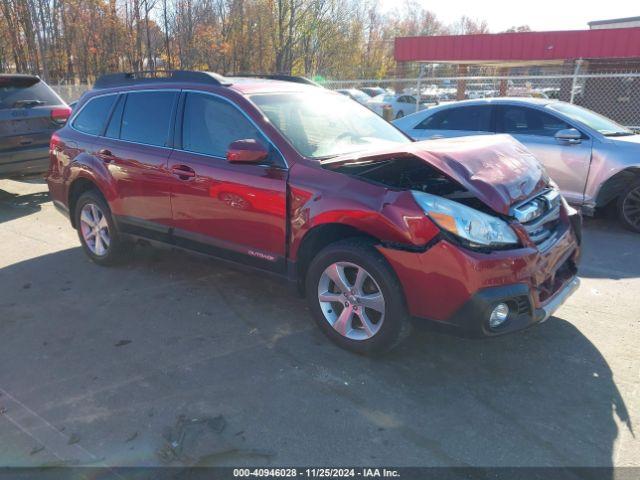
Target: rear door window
(476, 119)
(528, 121)
(20, 92)
(147, 117)
(93, 116)
(210, 125)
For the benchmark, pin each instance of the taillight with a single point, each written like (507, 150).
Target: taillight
(60, 114)
(55, 141)
(54, 148)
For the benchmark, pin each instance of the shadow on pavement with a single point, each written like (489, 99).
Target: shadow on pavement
(609, 250)
(13, 206)
(543, 397)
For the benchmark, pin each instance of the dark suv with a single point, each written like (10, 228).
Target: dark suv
(305, 183)
(29, 113)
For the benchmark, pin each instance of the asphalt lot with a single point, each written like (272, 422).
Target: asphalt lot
(98, 366)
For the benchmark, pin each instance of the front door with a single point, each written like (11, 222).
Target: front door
(566, 163)
(235, 211)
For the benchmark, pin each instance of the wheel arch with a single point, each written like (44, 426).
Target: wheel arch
(615, 185)
(319, 237)
(79, 186)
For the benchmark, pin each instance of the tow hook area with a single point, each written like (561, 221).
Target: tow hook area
(557, 300)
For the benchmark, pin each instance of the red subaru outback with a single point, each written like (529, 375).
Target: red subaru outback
(305, 183)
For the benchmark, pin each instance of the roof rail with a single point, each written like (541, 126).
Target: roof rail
(159, 76)
(278, 76)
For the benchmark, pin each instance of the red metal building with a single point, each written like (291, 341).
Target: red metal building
(597, 51)
(522, 47)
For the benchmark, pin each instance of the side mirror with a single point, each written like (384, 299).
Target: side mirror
(569, 135)
(247, 151)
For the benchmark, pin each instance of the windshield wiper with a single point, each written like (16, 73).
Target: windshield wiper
(28, 103)
(616, 133)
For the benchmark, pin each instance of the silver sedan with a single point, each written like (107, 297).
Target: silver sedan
(595, 161)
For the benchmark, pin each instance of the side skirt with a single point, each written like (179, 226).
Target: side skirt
(234, 255)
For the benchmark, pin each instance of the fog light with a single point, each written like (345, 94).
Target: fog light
(499, 315)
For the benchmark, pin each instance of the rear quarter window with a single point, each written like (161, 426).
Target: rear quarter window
(93, 116)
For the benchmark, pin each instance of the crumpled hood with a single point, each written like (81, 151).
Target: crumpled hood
(497, 169)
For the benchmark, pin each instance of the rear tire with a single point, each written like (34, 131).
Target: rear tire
(97, 231)
(363, 311)
(629, 206)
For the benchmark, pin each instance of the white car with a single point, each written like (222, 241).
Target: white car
(401, 104)
(355, 94)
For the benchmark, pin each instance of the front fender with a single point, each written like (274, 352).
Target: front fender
(612, 166)
(321, 197)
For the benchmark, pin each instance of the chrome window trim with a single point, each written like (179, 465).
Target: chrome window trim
(177, 90)
(234, 105)
(124, 92)
(75, 114)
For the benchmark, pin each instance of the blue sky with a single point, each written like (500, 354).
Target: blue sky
(538, 14)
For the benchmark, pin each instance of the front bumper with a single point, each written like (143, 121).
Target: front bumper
(473, 317)
(458, 287)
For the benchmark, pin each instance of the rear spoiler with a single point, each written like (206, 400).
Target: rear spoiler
(18, 80)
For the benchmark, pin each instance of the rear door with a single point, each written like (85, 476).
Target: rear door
(455, 122)
(566, 163)
(236, 211)
(26, 120)
(135, 147)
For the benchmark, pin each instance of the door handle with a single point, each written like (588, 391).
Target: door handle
(184, 172)
(107, 156)
(436, 137)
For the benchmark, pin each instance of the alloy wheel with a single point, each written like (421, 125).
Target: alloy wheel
(631, 207)
(95, 229)
(351, 300)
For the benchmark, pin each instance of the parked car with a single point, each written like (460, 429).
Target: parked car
(595, 161)
(355, 94)
(29, 113)
(305, 184)
(401, 104)
(373, 91)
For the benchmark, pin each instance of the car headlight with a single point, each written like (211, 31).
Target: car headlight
(469, 224)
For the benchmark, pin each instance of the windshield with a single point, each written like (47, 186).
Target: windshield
(591, 119)
(324, 124)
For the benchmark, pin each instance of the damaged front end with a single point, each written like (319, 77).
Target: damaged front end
(490, 196)
(473, 188)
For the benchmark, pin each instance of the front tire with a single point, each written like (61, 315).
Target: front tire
(97, 231)
(400, 114)
(356, 298)
(629, 206)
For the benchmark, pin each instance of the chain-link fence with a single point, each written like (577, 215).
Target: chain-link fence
(70, 93)
(616, 95)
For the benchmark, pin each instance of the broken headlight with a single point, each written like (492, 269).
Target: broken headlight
(476, 228)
